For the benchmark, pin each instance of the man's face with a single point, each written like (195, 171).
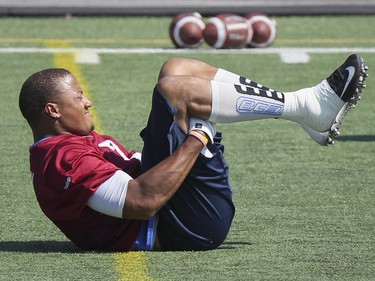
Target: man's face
(73, 108)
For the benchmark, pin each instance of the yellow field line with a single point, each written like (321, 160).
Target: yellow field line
(82, 41)
(130, 266)
(315, 41)
(312, 41)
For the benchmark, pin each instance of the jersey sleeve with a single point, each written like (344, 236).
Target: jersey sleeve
(109, 197)
(71, 179)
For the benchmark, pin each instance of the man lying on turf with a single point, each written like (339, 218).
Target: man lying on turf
(175, 195)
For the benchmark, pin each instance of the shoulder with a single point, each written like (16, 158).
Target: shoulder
(69, 143)
(65, 150)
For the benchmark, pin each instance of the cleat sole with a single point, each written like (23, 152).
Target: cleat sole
(351, 103)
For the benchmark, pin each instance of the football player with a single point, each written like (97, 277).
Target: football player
(175, 195)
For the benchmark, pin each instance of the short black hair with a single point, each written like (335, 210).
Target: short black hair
(39, 89)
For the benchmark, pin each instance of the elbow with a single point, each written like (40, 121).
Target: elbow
(146, 212)
(142, 209)
(143, 201)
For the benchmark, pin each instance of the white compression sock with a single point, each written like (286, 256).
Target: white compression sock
(223, 75)
(226, 76)
(316, 106)
(234, 103)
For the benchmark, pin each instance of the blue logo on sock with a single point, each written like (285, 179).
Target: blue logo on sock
(250, 105)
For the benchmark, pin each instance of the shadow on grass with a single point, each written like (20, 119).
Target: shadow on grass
(234, 245)
(69, 247)
(38, 247)
(360, 138)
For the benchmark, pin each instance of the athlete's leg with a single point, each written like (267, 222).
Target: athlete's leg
(199, 215)
(188, 67)
(223, 100)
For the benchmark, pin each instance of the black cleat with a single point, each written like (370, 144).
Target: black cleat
(347, 81)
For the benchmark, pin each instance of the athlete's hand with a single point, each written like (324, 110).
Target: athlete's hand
(207, 127)
(199, 127)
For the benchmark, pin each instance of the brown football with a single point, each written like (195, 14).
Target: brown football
(227, 31)
(264, 30)
(186, 30)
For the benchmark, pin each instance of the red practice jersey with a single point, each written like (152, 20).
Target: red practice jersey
(67, 170)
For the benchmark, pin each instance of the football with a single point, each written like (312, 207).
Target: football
(186, 30)
(227, 31)
(263, 28)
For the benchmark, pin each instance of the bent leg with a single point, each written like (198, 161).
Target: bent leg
(199, 90)
(186, 84)
(189, 95)
(188, 67)
(199, 215)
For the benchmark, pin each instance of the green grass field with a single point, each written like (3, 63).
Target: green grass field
(304, 212)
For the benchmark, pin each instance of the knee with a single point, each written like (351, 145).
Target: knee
(168, 88)
(171, 67)
(166, 85)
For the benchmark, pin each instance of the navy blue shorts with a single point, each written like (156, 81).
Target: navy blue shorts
(199, 215)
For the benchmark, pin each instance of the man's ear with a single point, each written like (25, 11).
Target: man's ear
(52, 110)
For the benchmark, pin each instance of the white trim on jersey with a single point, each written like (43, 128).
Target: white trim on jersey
(137, 155)
(109, 198)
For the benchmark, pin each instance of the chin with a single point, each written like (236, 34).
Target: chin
(87, 132)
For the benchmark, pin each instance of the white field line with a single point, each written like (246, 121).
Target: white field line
(87, 58)
(187, 51)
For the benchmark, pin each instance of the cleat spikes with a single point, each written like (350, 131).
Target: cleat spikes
(322, 138)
